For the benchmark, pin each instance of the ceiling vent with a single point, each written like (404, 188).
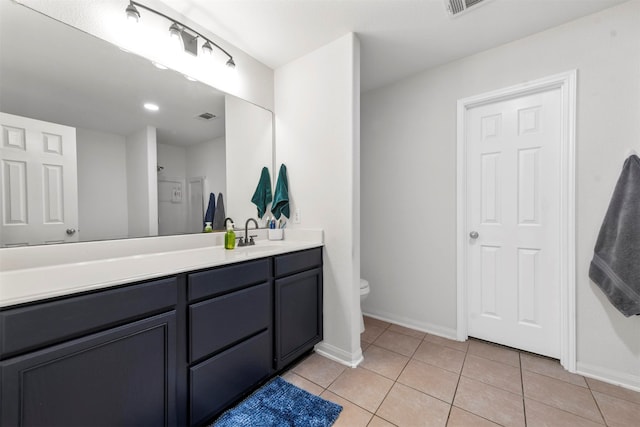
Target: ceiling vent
(456, 7)
(206, 116)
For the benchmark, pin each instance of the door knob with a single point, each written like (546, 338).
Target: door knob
(474, 235)
(71, 231)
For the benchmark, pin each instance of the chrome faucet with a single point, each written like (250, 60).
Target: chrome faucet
(248, 240)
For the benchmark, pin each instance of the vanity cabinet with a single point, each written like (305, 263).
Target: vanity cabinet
(298, 304)
(106, 358)
(230, 335)
(171, 351)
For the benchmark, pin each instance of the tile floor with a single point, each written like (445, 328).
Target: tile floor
(409, 378)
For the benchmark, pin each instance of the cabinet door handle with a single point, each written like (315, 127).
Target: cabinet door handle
(71, 231)
(474, 235)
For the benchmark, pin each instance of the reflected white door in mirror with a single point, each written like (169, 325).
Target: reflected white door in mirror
(38, 182)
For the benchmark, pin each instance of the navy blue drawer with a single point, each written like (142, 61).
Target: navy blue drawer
(225, 320)
(33, 326)
(226, 279)
(297, 262)
(222, 379)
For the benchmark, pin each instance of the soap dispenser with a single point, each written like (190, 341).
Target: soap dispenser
(229, 237)
(207, 227)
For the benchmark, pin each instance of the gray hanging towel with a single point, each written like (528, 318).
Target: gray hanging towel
(219, 215)
(615, 267)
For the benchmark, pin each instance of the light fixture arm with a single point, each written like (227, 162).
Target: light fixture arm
(230, 62)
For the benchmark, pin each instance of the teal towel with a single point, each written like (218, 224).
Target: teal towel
(262, 196)
(280, 204)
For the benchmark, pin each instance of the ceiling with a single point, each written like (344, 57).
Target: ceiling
(398, 37)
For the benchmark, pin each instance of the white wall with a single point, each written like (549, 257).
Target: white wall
(208, 160)
(249, 137)
(316, 101)
(172, 215)
(250, 80)
(142, 183)
(409, 176)
(102, 185)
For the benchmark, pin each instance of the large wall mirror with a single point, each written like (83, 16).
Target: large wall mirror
(82, 159)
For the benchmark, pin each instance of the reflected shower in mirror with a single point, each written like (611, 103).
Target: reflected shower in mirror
(151, 144)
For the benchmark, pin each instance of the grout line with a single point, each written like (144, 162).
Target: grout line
(524, 406)
(597, 404)
(569, 412)
(455, 392)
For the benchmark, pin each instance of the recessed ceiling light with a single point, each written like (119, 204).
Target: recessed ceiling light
(151, 107)
(160, 66)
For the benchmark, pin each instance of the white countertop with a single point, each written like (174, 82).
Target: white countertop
(22, 282)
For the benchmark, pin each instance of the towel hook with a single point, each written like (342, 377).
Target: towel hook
(633, 152)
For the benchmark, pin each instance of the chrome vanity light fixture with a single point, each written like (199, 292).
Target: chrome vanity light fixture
(188, 36)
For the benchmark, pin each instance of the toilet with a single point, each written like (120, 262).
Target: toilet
(364, 291)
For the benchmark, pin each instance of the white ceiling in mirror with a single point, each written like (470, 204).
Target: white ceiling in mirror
(53, 78)
(398, 37)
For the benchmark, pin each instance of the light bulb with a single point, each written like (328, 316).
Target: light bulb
(207, 49)
(132, 13)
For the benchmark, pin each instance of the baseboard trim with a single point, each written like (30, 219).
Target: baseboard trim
(441, 331)
(622, 379)
(338, 355)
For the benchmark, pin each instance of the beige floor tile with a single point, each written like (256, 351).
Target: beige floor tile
(551, 368)
(397, 342)
(430, 379)
(462, 418)
(489, 402)
(384, 362)
(405, 406)
(494, 352)
(618, 412)
(319, 370)
(352, 415)
(456, 345)
(376, 421)
(440, 356)
(371, 321)
(364, 345)
(371, 333)
(541, 415)
(362, 387)
(407, 331)
(493, 373)
(614, 390)
(303, 383)
(561, 395)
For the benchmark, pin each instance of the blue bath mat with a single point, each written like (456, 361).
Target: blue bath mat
(279, 403)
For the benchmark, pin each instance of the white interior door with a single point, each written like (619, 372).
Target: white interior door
(513, 219)
(39, 182)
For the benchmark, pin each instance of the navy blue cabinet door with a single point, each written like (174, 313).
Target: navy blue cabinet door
(298, 315)
(124, 376)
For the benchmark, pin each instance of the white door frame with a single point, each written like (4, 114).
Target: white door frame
(566, 82)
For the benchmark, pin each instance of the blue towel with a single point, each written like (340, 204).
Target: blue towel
(219, 215)
(262, 196)
(211, 208)
(280, 204)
